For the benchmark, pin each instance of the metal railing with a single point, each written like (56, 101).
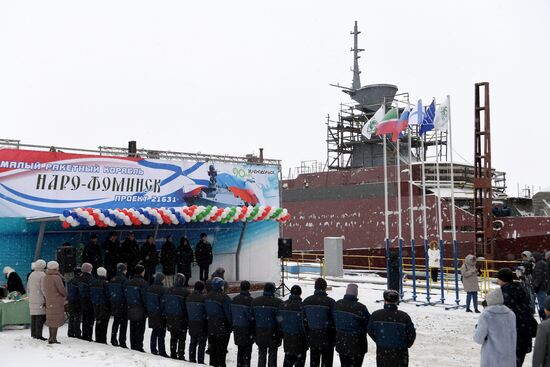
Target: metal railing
(377, 264)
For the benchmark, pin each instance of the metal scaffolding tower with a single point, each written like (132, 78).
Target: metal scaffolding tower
(483, 200)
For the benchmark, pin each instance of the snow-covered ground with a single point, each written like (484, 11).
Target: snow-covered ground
(444, 338)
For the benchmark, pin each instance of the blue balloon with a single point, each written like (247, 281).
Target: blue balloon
(74, 215)
(173, 210)
(119, 221)
(105, 212)
(153, 220)
(66, 213)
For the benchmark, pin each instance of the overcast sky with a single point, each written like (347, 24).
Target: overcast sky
(228, 77)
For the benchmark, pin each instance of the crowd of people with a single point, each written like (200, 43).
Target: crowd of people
(506, 326)
(209, 316)
(318, 323)
(173, 259)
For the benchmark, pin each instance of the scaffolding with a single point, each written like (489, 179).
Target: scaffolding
(146, 153)
(344, 135)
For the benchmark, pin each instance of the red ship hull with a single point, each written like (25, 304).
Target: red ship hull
(351, 204)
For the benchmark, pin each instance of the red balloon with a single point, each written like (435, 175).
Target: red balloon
(66, 225)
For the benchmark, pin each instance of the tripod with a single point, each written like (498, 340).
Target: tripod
(282, 286)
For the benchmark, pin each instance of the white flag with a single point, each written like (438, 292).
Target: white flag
(417, 114)
(370, 126)
(441, 121)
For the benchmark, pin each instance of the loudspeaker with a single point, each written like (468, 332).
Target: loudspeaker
(285, 248)
(66, 257)
(132, 148)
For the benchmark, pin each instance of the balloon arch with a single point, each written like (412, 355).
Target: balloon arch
(170, 216)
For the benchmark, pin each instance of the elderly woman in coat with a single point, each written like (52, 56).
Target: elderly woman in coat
(55, 294)
(37, 301)
(469, 281)
(496, 332)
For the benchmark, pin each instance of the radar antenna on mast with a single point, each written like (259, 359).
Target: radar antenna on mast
(356, 83)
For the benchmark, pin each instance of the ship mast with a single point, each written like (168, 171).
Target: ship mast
(356, 83)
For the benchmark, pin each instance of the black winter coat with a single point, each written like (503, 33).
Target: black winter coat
(393, 332)
(168, 258)
(218, 312)
(196, 312)
(351, 319)
(112, 256)
(184, 256)
(73, 296)
(540, 274)
(130, 254)
(243, 319)
(175, 310)
(15, 284)
(149, 256)
(265, 310)
(92, 255)
(86, 280)
(203, 253)
(115, 293)
(517, 300)
(135, 293)
(100, 300)
(318, 310)
(293, 325)
(154, 301)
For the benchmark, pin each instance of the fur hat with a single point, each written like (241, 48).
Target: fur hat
(320, 284)
(53, 265)
(139, 269)
(391, 296)
(269, 287)
(494, 297)
(39, 264)
(505, 274)
(352, 290)
(120, 267)
(296, 290)
(7, 270)
(87, 268)
(245, 286)
(101, 272)
(199, 286)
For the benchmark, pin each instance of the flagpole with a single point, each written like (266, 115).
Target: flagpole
(439, 221)
(399, 223)
(411, 214)
(453, 208)
(425, 219)
(386, 214)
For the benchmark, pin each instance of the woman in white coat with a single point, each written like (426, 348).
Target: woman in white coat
(496, 332)
(433, 259)
(36, 299)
